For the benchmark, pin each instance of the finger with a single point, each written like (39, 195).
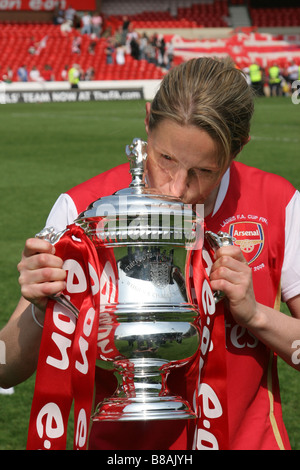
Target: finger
(38, 276)
(231, 263)
(36, 293)
(37, 245)
(38, 261)
(233, 251)
(232, 275)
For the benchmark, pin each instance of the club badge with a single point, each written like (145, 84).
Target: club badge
(250, 237)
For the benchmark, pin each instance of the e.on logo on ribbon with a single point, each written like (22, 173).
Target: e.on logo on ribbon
(50, 424)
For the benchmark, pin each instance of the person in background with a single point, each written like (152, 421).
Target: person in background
(256, 78)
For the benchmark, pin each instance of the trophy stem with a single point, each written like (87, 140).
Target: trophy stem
(142, 395)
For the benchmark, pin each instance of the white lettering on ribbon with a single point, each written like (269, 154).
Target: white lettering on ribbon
(62, 344)
(76, 283)
(63, 319)
(51, 415)
(81, 430)
(83, 343)
(75, 273)
(108, 294)
(211, 406)
(95, 286)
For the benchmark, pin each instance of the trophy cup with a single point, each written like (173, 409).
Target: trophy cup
(153, 324)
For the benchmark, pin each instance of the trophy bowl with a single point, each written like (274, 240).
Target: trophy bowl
(148, 323)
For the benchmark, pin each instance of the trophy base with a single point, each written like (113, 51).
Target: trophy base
(139, 409)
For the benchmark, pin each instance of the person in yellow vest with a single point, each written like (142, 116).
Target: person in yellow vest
(256, 78)
(74, 75)
(275, 80)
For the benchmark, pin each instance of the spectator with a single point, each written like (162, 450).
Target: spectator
(125, 29)
(109, 51)
(118, 36)
(151, 51)
(66, 27)
(92, 46)
(86, 22)
(131, 35)
(70, 15)
(48, 74)
(8, 76)
(64, 73)
(292, 72)
(134, 48)
(22, 74)
(120, 54)
(97, 22)
(32, 46)
(58, 14)
(34, 75)
(76, 45)
(161, 49)
(170, 54)
(89, 74)
(143, 45)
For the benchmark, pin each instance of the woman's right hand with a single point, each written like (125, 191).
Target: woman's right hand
(41, 272)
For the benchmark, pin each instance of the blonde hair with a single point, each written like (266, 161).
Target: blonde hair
(212, 95)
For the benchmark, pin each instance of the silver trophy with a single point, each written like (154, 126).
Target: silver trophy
(151, 324)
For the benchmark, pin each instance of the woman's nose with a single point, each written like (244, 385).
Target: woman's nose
(179, 183)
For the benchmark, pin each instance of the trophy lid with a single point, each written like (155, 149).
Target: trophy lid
(137, 213)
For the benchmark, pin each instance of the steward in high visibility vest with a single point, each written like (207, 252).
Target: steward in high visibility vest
(274, 74)
(255, 73)
(256, 78)
(274, 80)
(74, 76)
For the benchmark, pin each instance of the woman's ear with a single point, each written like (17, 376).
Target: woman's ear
(148, 107)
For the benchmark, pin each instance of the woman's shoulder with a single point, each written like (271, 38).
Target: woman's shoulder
(264, 182)
(101, 185)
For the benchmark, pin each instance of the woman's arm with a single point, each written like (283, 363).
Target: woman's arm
(231, 274)
(41, 275)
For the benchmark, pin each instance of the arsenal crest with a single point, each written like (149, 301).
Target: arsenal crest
(250, 237)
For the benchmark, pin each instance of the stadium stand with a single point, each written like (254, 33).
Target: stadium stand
(53, 49)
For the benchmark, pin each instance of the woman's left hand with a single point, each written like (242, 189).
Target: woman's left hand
(231, 274)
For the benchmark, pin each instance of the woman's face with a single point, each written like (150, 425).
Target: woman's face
(183, 162)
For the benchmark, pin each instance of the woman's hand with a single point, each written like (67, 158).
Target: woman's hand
(41, 272)
(231, 274)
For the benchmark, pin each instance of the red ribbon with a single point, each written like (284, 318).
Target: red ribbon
(66, 367)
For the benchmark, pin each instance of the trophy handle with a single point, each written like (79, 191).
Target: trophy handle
(216, 241)
(50, 235)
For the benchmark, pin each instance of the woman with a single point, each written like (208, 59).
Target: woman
(197, 124)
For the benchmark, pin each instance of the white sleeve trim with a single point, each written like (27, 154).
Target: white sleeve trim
(290, 277)
(63, 213)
